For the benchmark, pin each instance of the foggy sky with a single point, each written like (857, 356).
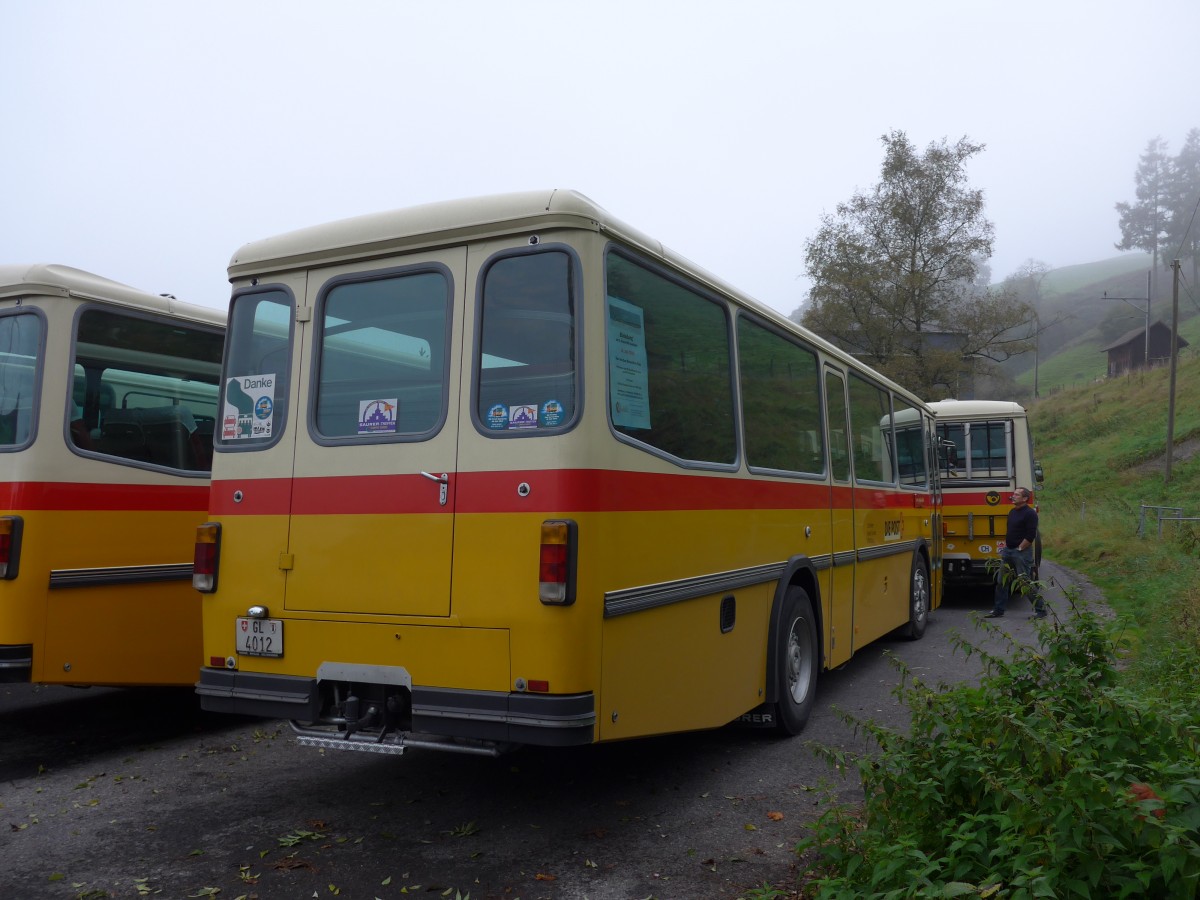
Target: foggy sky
(147, 141)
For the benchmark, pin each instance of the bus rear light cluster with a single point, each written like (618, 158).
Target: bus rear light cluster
(556, 565)
(11, 528)
(208, 556)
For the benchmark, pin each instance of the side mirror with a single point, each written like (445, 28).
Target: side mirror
(1038, 475)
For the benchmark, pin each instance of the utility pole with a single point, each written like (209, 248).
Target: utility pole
(1129, 300)
(1174, 365)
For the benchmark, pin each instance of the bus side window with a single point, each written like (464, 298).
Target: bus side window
(781, 401)
(670, 365)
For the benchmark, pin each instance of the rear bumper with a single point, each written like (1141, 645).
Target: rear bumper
(554, 720)
(962, 570)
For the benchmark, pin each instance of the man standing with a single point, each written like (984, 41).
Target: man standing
(1016, 554)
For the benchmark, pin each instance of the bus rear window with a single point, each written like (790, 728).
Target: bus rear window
(382, 365)
(254, 390)
(525, 360)
(21, 342)
(20, 346)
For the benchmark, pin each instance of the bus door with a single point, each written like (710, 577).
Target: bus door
(373, 492)
(839, 605)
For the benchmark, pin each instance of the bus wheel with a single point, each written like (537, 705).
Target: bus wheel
(796, 662)
(918, 599)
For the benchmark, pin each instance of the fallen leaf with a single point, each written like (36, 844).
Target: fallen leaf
(543, 877)
(290, 862)
(775, 816)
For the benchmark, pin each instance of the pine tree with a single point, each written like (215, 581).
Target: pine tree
(1144, 222)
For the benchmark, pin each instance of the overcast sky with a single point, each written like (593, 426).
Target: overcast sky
(147, 141)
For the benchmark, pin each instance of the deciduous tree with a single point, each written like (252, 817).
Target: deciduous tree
(895, 272)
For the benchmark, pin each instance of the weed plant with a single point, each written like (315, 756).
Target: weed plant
(1048, 779)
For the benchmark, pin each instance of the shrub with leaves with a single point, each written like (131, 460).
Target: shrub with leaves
(1049, 779)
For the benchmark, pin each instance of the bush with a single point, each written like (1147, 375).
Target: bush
(1049, 779)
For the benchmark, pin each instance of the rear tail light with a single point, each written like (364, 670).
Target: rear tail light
(556, 566)
(11, 528)
(208, 556)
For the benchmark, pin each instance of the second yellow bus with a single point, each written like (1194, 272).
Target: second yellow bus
(108, 400)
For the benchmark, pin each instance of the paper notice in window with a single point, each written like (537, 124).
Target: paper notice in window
(628, 378)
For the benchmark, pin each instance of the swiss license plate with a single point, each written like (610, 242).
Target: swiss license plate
(260, 637)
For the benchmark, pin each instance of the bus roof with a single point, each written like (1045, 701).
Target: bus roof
(972, 409)
(53, 280)
(474, 218)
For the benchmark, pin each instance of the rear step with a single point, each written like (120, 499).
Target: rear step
(396, 743)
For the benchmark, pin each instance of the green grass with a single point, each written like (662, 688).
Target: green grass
(1103, 451)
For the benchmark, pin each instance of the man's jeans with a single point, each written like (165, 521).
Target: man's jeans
(1013, 564)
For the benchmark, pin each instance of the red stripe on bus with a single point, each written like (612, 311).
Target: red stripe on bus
(57, 496)
(949, 499)
(577, 490)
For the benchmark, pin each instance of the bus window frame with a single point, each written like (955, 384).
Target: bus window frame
(968, 476)
(246, 446)
(72, 356)
(890, 415)
(818, 370)
(38, 376)
(576, 286)
(923, 423)
(317, 352)
(727, 308)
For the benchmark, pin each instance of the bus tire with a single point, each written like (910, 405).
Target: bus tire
(797, 661)
(918, 599)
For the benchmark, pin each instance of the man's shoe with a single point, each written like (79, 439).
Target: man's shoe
(994, 615)
(1039, 615)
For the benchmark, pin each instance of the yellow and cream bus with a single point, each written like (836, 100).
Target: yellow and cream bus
(507, 471)
(108, 401)
(987, 451)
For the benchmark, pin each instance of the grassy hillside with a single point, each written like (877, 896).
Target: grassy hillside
(1069, 279)
(1070, 353)
(1102, 447)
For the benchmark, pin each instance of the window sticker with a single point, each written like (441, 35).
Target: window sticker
(629, 382)
(550, 415)
(249, 407)
(497, 417)
(378, 416)
(521, 417)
